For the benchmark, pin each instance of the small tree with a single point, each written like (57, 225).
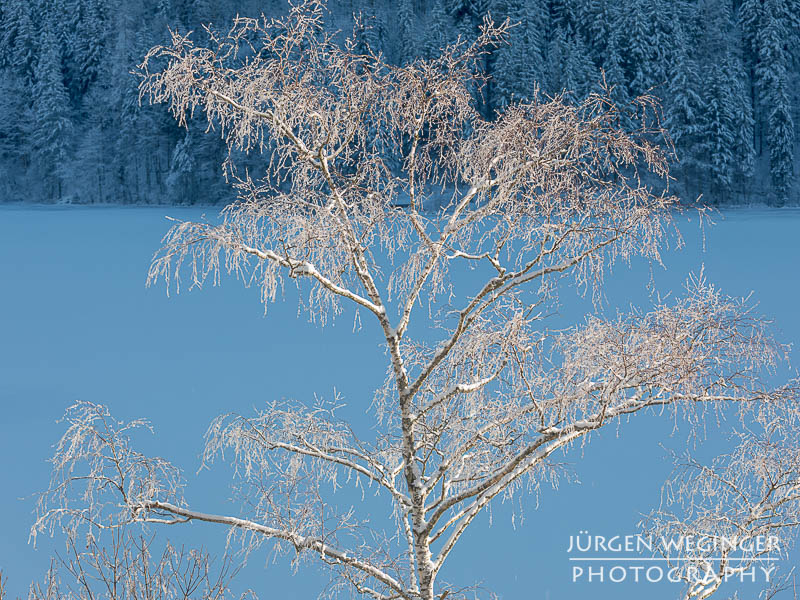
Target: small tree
(480, 390)
(131, 567)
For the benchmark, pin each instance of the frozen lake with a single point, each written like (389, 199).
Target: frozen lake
(76, 322)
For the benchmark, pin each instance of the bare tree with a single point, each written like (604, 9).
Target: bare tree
(745, 504)
(481, 391)
(127, 568)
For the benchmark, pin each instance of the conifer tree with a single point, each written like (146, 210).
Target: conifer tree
(20, 39)
(771, 72)
(13, 104)
(583, 68)
(51, 124)
(537, 29)
(66, 17)
(180, 181)
(595, 24)
(407, 31)
(662, 39)
(436, 36)
(457, 8)
(557, 53)
(368, 33)
(781, 146)
(743, 107)
(718, 129)
(563, 14)
(613, 72)
(522, 62)
(90, 42)
(570, 68)
(684, 106)
(638, 49)
(750, 17)
(509, 83)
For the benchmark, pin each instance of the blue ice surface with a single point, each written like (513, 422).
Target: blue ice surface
(76, 322)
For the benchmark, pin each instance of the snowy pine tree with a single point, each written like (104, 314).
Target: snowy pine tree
(613, 72)
(749, 17)
(684, 103)
(562, 14)
(521, 63)
(718, 133)
(637, 46)
(745, 123)
(20, 39)
(90, 42)
(781, 146)
(736, 160)
(407, 31)
(662, 36)
(368, 33)
(181, 179)
(66, 31)
(557, 52)
(584, 73)
(771, 72)
(51, 124)
(13, 147)
(436, 35)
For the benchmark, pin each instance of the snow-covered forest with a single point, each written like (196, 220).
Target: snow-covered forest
(726, 72)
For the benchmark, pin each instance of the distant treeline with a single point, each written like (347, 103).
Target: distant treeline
(727, 73)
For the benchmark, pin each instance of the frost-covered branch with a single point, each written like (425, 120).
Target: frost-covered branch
(744, 505)
(300, 543)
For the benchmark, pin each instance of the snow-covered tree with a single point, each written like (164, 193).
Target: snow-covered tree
(65, 27)
(51, 124)
(718, 134)
(91, 40)
(570, 67)
(749, 17)
(436, 34)
(459, 9)
(743, 108)
(726, 125)
(685, 109)
(482, 393)
(562, 13)
(407, 31)
(595, 24)
(20, 38)
(13, 144)
(771, 72)
(582, 76)
(781, 145)
(613, 71)
(665, 15)
(637, 49)
(521, 63)
(180, 181)
(534, 18)
(557, 52)
(368, 33)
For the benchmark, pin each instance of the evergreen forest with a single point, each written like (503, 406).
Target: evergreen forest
(726, 72)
